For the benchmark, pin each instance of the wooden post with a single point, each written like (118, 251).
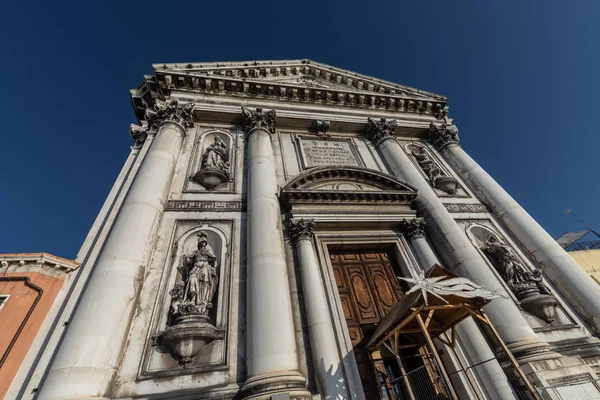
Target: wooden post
(436, 356)
(513, 360)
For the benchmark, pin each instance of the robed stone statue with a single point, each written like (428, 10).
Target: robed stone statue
(194, 293)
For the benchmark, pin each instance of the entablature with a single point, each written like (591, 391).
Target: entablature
(296, 84)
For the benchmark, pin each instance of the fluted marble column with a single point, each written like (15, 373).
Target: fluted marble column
(323, 345)
(571, 280)
(456, 250)
(271, 358)
(491, 377)
(89, 354)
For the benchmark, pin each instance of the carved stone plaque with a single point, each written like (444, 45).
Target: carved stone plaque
(328, 152)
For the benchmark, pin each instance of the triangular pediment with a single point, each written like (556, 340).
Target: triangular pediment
(296, 72)
(290, 80)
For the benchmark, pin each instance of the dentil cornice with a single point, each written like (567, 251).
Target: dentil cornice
(258, 119)
(442, 135)
(297, 81)
(379, 130)
(301, 228)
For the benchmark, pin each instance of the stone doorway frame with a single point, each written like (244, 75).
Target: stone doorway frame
(385, 239)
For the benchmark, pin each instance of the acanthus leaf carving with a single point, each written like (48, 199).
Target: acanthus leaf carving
(321, 127)
(413, 228)
(258, 119)
(442, 135)
(170, 110)
(380, 130)
(301, 228)
(139, 134)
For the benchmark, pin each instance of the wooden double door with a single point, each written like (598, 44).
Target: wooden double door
(368, 287)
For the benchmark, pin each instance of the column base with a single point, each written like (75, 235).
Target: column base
(263, 386)
(531, 349)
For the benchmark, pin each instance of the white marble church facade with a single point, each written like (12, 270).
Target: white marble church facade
(221, 266)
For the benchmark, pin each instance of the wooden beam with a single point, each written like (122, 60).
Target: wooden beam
(437, 358)
(411, 395)
(472, 382)
(479, 317)
(429, 316)
(416, 311)
(512, 358)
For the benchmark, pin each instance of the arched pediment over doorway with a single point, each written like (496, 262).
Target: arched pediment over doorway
(347, 189)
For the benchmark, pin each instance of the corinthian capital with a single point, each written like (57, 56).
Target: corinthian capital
(443, 135)
(379, 130)
(170, 110)
(258, 119)
(301, 228)
(413, 228)
(138, 134)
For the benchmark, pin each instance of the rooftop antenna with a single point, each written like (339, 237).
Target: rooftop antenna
(570, 211)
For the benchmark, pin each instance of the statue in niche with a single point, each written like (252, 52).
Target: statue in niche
(215, 167)
(528, 286)
(191, 303)
(433, 172)
(194, 293)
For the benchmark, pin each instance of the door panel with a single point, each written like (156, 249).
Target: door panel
(368, 289)
(362, 295)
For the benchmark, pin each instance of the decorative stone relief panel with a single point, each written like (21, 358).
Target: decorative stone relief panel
(524, 281)
(213, 163)
(189, 325)
(438, 176)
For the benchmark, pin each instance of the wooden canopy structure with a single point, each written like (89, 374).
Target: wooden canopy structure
(433, 307)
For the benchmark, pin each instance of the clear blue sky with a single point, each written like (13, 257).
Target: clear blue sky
(522, 80)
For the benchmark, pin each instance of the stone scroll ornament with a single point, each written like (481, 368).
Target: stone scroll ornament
(191, 304)
(432, 170)
(526, 285)
(215, 166)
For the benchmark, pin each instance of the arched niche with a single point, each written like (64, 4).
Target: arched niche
(186, 245)
(437, 175)
(204, 141)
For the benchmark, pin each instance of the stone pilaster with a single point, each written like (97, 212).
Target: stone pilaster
(272, 359)
(326, 359)
(573, 283)
(457, 252)
(89, 355)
